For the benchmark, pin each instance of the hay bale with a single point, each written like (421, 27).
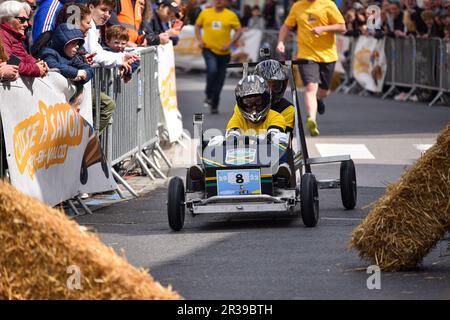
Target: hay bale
(412, 216)
(39, 244)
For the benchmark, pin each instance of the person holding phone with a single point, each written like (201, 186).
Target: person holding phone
(13, 23)
(8, 72)
(157, 30)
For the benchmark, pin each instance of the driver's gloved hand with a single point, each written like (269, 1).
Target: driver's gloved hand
(280, 138)
(232, 135)
(216, 141)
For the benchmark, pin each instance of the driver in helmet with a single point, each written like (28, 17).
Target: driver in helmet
(276, 76)
(254, 116)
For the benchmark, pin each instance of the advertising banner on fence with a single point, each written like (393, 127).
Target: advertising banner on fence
(52, 151)
(369, 63)
(173, 123)
(188, 55)
(343, 47)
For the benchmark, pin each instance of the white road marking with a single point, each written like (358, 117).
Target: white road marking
(422, 147)
(356, 151)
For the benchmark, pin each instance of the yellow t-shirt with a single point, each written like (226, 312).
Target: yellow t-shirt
(217, 28)
(307, 15)
(272, 120)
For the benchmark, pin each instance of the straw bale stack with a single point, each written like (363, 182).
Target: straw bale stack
(412, 216)
(40, 246)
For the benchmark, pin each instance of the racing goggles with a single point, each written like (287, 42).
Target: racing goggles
(252, 104)
(275, 85)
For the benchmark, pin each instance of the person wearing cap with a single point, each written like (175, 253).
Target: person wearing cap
(61, 54)
(317, 22)
(217, 23)
(158, 30)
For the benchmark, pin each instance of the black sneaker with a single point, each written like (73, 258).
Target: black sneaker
(284, 171)
(196, 172)
(214, 110)
(320, 107)
(207, 103)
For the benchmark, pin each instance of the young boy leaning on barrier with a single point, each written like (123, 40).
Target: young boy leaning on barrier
(253, 117)
(117, 38)
(101, 12)
(62, 55)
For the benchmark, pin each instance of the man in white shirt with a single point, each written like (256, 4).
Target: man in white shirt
(101, 12)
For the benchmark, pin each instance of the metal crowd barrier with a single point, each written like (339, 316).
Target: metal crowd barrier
(348, 82)
(445, 50)
(414, 63)
(133, 129)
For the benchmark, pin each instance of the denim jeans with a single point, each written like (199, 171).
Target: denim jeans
(215, 75)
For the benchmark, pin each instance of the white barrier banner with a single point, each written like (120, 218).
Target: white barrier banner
(342, 46)
(53, 153)
(189, 56)
(246, 48)
(173, 123)
(369, 63)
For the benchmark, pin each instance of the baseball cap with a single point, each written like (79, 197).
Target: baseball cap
(357, 6)
(171, 4)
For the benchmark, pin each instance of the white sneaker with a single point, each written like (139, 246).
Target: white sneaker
(414, 98)
(401, 96)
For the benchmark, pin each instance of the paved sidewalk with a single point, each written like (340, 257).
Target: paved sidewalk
(142, 184)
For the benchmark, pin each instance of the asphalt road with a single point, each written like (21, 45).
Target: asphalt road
(260, 257)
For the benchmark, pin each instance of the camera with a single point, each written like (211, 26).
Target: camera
(264, 53)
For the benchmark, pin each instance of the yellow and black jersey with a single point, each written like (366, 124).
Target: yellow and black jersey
(287, 110)
(273, 120)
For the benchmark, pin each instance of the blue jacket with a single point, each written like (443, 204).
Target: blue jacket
(45, 16)
(56, 58)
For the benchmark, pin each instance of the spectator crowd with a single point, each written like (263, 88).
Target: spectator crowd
(68, 35)
(71, 35)
(398, 18)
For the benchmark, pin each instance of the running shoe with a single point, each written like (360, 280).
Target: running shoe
(320, 106)
(312, 126)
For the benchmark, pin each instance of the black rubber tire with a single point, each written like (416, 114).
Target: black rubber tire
(309, 197)
(83, 173)
(348, 184)
(175, 204)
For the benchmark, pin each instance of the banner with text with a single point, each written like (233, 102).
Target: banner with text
(344, 55)
(369, 63)
(188, 55)
(53, 153)
(173, 122)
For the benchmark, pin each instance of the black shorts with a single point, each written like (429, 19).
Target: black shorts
(317, 72)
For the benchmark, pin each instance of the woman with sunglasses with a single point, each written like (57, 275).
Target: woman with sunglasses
(14, 17)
